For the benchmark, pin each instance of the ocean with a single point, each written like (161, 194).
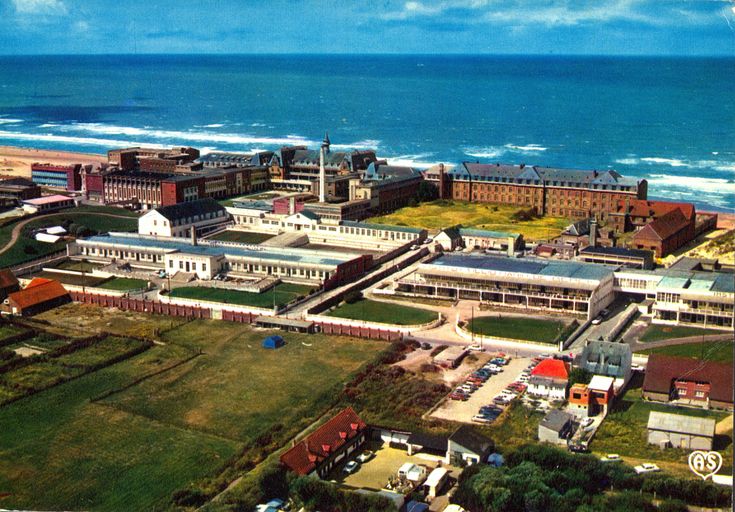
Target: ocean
(670, 120)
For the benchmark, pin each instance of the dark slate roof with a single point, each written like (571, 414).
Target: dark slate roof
(536, 175)
(230, 158)
(662, 371)
(556, 420)
(377, 171)
(7, 279)
(616, 251)
(469, 438)
(579, 228)
(190, 209)
(429, 441)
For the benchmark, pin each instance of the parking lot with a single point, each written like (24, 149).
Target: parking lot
(458, 410)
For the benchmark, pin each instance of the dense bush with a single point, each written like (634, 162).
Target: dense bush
(427, 192)
(352, 297)
(437, 349)
(523, 215)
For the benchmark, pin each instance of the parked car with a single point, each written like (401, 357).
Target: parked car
(611, 457)
(646, 467)
(426, 346)
(365, 456)
(350, 467)
(478, 418)
(414, 247)
(597, 320)
(604, 313)
(458, 396)
(586, 422)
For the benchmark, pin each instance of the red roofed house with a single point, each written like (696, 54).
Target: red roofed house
(688, 381)
(665, 234)
(327, 446)
(40, 295)
(634, 214)
(549, 379)
(8, 283)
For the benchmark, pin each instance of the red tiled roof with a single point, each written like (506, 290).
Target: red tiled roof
(643, 208)
(304, 457)
(664, 227)
(7, 278)
(553, 368)
(38, 291)
(662, 370)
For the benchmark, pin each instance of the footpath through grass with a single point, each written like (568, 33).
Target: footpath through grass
(720, 351)
(519, 328)
(284, 293)
(383, 312)
(441, 214)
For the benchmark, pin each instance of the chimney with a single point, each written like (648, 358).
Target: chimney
(441, 181)
(193, 235)
(322, 175)
(593, 232)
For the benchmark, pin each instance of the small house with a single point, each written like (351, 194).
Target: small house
(273, 342)
(593, 398)
(556, 427)
(468, 446)
(549, 379)
(678, 431)
(607, 359)
(38, 296)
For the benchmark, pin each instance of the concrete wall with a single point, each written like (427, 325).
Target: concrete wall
(677, 440)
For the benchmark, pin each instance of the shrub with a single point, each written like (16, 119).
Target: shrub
(352, 297)
(189, 498)
(438, 349)
(523, 215)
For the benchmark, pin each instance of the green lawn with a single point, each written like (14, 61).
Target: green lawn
(124, 284)
(72, 279)
(520, 328)
(27, 248)
(243, 237)
(441, 214)
(284, 293)
(79, 266)
(59, 451)
(624, 430)
(712, 351)
(383, 312)
(8, 330)
(656, 332)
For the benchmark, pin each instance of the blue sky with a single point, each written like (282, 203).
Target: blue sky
(650, 27)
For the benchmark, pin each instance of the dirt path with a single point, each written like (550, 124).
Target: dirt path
(19, 227)
(724, 426)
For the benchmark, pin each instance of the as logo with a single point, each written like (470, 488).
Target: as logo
(705, 464)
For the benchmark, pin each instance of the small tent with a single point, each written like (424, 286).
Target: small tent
(274, 341)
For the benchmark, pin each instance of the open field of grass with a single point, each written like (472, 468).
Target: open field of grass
(284, 293)
(79, 266)
(27, 248)
(242, 237)
(624, 430)
(656, 332)
(132, 449)
(7, 330)
(520, 328)
(72, 279)
(712, 351)
(238, 390)
(437, 215)
(518, 425)
(85, 320)
(384, 312)
(122, 284)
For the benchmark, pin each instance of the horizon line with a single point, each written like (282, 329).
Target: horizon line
(369, 54)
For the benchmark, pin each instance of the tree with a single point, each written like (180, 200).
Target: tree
(427, 192)
(579, 376)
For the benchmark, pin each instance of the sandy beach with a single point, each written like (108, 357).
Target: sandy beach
(17, 161)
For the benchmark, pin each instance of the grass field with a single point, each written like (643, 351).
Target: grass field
(27, 248)
(719, 351)
(657, 332)
(79, 266)
(132, 449)
(383, 312)
(520, 328)
(122, 284)
(7, 330)
(72, 279)
(242, 237)
(284, 293)
(437, 215)
(624, 430)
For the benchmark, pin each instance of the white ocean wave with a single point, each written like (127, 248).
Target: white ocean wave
(255, 125)
(484, 152)
(48, 125)
(179, 135)
(8, 120)
(86, 141)
(709, 185)
(213, 125)
(415, 161)
(526, 148)
(360, 144)
(717, 165)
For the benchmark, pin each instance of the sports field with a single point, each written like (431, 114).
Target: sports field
(132, 449)
(383, 312)
(441, 214)
(283, 294)
(519, 328)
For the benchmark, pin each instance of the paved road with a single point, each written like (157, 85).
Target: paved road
(19, 227)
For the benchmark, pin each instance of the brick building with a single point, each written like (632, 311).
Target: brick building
(153, 159)
(18, 188)
(67, 177)
(665, 234)
(629, 215)
(387, 187)
(38, 296)
(549, 191)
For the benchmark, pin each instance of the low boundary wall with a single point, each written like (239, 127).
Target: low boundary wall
(507, 342)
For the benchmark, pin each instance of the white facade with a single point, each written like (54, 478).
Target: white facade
(154, 223)
(553, 389)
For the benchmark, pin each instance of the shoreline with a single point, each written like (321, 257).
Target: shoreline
(16, 161)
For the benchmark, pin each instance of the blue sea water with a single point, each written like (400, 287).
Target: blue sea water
(670, 120)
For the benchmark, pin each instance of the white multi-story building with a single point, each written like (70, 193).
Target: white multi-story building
(204, 215)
